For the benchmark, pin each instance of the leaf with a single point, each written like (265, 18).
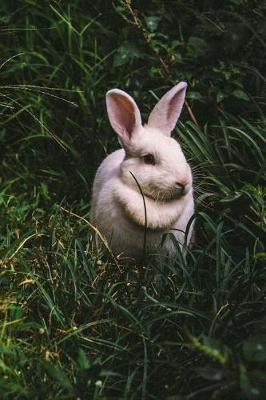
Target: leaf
(194, 95)
(5, 19)
(83, 360)
(196, 46)
(254, 349)
(219, 97)
(152, 23)
(59, 375)
(240, 94)
(108, 373)
(125, 53)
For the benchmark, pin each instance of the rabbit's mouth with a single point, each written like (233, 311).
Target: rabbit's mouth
(165, 195)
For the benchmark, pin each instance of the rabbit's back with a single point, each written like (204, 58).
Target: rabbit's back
(108, 170)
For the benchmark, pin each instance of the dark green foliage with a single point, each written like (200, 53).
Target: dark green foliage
(74, 325)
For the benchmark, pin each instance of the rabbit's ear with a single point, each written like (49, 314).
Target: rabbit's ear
(165, 114)
(123, 114)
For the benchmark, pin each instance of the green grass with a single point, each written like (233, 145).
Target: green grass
(74, 325)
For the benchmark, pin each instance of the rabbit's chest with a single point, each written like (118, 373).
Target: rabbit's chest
(124, 236)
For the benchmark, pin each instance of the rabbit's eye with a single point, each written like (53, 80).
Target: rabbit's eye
(149, 159)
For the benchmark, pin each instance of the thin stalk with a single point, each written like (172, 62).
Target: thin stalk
(145, 216)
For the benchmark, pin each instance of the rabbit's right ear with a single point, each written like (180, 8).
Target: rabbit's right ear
(165, 114)
(123, 114)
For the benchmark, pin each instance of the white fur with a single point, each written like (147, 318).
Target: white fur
(117, 208)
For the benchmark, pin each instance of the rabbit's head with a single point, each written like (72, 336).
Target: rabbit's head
(151, 155)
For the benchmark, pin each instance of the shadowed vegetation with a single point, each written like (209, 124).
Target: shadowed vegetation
(74, 325)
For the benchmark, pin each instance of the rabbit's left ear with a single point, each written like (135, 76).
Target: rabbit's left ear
(165, 114)
(124, 114)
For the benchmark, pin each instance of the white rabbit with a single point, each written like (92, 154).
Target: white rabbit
(160, 168)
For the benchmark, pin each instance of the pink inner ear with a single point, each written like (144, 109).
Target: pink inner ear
(175, 107)
(166, 112)
(124, 114)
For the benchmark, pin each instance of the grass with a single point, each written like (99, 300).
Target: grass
(74, 325)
